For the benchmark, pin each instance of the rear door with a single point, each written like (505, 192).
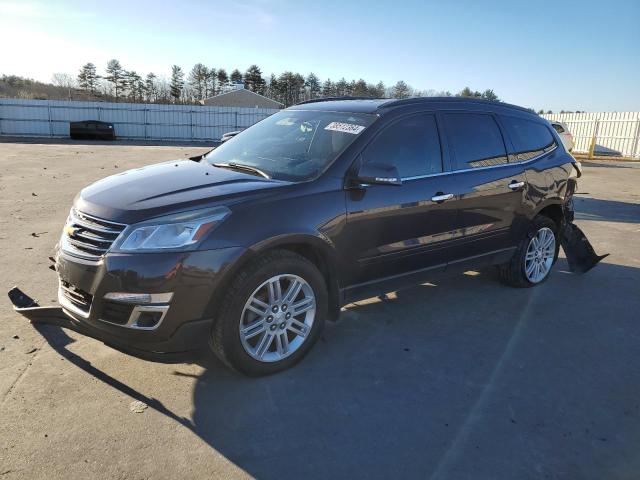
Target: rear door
(393, 230)
(489, 190)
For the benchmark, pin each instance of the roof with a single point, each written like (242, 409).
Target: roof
(380, 105)
(242, 98)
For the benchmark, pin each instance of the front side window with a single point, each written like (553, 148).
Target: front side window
(411, 144)
(475, 140)
(557, 127)
(292, 145)
(529, 138)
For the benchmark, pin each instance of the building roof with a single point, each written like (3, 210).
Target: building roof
(242, 98)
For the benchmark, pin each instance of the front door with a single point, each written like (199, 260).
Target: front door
(394, 230)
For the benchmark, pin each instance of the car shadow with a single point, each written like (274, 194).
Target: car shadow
(460, 379)
(587, 208)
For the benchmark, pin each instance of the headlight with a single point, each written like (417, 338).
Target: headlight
(171, 232)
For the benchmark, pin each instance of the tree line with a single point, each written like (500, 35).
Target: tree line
(118, 83)
(202, 82)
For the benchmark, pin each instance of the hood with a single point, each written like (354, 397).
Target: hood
(163, 188)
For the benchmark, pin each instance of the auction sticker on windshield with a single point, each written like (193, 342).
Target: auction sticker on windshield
(344, 127)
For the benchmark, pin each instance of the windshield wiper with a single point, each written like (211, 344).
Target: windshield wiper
(241, 167)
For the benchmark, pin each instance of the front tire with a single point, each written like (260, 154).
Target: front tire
(536, 253)
(271, 315)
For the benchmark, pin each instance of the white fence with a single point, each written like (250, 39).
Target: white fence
(610, 133)
(50, 118)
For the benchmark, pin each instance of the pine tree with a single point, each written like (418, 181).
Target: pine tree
(273, 88)
(223, 79)
(198, 80)
(150, 87)
(328, 88)
(253, 79)
(490, 95)
(116, 76)
(313, 84)
(401, 90)
(177, 83)
(360, 89)
(236, 76)
(134, 85)
(341, 87)
(465, 92)
(88, 78)
(210, 89)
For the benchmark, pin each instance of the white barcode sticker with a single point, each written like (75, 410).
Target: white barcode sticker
(344, 127)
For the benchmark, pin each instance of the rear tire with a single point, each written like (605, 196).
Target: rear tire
(529, 265)
(258, 330)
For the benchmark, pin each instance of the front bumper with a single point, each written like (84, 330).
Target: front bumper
(191, 278)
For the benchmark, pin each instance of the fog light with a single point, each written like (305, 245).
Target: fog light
(148, 319)
(139, 298)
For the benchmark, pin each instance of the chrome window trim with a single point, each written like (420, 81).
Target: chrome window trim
(418, 177)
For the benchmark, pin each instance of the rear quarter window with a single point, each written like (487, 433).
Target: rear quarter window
(529, 138)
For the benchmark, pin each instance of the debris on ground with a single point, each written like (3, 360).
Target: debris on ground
(137, 406)
(16, 337)
(34, 194)
(33, 350)
(37, 234)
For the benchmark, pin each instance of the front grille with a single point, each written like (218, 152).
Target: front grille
(89, 236)
(77, 297)
(116, 312)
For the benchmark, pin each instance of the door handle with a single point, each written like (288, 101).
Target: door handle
(516, 185)
(442, 197)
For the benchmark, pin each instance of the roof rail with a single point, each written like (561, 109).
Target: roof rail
(331, 99)
(408, 101)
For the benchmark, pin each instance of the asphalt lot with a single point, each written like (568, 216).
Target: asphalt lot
(463, 379)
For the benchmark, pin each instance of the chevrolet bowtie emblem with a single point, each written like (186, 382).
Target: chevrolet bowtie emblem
(70, 230)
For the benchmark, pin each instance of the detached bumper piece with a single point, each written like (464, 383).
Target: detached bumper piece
(580, 253)
(55, 315)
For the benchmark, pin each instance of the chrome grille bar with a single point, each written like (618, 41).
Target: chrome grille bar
(89, 237)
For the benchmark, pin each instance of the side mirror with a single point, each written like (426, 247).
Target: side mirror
(378, 174)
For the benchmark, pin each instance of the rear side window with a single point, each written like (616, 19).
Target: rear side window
(475, 139)
(529, 138)
(411, 144)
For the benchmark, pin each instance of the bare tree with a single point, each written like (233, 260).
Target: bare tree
(64, 80)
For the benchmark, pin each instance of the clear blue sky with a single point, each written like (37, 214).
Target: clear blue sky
(537, 53)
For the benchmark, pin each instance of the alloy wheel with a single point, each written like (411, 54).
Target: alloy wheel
(277, 318)
(540, 254)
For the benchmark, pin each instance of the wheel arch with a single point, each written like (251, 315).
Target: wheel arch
(317, 249)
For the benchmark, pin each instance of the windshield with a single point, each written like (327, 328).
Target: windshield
(292, 145)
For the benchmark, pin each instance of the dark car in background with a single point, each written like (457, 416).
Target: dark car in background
(92, 130)
(252, 247)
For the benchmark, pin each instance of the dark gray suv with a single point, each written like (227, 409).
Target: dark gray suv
(250, 248)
